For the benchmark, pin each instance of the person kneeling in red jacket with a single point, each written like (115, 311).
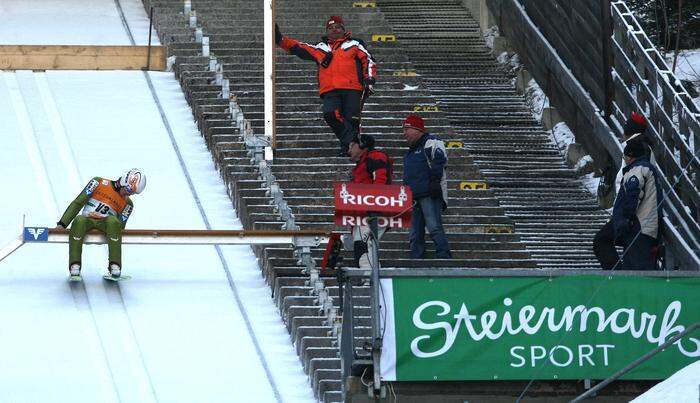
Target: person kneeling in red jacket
(372, 167)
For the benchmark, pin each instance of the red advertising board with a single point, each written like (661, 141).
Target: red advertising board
(354, 200)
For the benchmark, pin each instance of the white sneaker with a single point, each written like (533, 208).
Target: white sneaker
(115, 270)
(74, 269)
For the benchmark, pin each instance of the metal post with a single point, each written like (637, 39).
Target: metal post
(608, 88)
(269, 71)
(634, 364)
(150, 30)
(347, 349)
(376, 309)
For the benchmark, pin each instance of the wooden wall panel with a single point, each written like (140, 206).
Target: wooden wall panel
(80, 57)
(574, 29)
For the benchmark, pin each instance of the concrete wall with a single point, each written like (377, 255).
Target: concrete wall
(480, 13)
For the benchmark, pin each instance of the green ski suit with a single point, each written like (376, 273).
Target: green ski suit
(104, 209)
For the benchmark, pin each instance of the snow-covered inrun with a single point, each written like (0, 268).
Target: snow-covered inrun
(180, 330)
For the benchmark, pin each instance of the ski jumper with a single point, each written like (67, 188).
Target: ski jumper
(104, 209)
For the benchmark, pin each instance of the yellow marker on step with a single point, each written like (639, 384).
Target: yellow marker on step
(498, 229)
(455, 144)
(364, 4)
(473, 185)
(405, 73)
(426, 108)
(383, 38)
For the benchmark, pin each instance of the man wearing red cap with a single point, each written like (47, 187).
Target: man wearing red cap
(424, 172)
(604, 240)
(346, 74)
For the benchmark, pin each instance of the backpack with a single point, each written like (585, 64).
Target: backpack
(389, 169)
(606, 187)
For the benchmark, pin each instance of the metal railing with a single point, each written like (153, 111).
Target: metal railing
(643, 82)
(349, 359)
(641, 360)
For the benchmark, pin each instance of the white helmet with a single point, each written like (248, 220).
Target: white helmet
(134, 181)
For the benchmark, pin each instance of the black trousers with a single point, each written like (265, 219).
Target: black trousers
(638, 253)
(341, 110)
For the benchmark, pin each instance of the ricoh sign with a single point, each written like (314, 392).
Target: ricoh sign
(390, 203)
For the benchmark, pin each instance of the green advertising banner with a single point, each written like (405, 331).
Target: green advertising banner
(519, 328)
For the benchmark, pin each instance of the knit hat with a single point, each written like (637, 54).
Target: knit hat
(335, 19)
(365, 141)
(635, 124)
(414, 122)
(634, 148)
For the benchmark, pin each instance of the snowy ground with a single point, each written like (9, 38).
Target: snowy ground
(681, 387)
(71, 22)
(687, 68)
(175, 332)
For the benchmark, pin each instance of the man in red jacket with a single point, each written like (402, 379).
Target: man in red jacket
(346, 74)
(372, 167)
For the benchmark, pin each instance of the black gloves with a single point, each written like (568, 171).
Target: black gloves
(368, 83)
(278, 34)
(327, 60)
(435, 189)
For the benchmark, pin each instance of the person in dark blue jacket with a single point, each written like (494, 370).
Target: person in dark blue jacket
(636, 212)
(424, 172)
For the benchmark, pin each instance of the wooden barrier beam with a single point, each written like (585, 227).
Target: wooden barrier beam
(81, 57)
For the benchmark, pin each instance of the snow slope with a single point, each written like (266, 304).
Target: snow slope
(72, 22)
(195, 324)
(681, 387)
(175, 331)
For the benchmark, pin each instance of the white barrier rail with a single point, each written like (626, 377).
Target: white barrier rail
(306, 238)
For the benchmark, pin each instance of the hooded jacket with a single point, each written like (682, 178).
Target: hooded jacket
(637, 207)
(424, 163)
(374, 167)
(351, 64)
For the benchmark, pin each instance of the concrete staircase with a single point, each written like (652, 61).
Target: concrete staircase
(553, 213)
(306, 162)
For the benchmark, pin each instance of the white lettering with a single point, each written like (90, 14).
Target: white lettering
(522, 360)
(449, 333)
(605, 348)
(582, 355)
(619, 321)
(568, 352)
(534, 357)
(524, 317)
(372, 200)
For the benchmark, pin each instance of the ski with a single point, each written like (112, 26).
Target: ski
(115, 279)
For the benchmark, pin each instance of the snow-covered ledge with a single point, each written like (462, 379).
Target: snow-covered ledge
(575, 154)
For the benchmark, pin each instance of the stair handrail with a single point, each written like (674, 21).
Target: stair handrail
(681, 232)
(643, 82)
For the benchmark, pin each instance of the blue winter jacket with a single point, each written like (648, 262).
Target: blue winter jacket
(636, 206)
(425, 163)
